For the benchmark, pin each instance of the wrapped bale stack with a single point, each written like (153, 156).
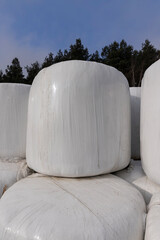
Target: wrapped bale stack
(78, 126)
(13, 124)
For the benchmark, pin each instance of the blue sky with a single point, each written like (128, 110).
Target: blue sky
(30, 29)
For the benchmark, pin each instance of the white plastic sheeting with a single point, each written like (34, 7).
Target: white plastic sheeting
(150, 122)
(13, 120)
(48, 208)
(11, 172)
(78, 120)
(135, 93)
(134, 174)
(153, 219)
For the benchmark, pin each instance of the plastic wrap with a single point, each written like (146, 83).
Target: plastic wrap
(48, 208)
(150, 122)
(78, 120)
(153, 219)
(135, 93)
(13, 120)
(134, 174)
(11, 172)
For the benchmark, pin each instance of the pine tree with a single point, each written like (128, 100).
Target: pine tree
(48, 61)
(119, 55)
(146, 56)
(14, 72)
(59, 57)
(95, 57)
(32, 71)
(78, 52)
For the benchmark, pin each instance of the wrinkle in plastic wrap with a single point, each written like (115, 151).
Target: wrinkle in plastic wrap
(47, 208)
(78, 120)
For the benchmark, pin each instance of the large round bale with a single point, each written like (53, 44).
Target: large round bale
(153, 219)
(150, 122)
(78, 120)
(13, 120)
(41, 207)
(135, 175)
(135, 93)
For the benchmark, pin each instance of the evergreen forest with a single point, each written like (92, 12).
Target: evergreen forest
(132, 63)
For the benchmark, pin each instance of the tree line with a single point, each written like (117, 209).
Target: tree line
(130, 62)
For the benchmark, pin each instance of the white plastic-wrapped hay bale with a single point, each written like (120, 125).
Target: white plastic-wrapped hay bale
(48, 208)
(135, 175)
(150, 122)
(11, 172)
(13, 120)
(135, 93)
(153, 219)
(78, 120)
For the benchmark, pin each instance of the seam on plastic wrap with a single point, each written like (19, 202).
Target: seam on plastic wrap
(83, 204)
